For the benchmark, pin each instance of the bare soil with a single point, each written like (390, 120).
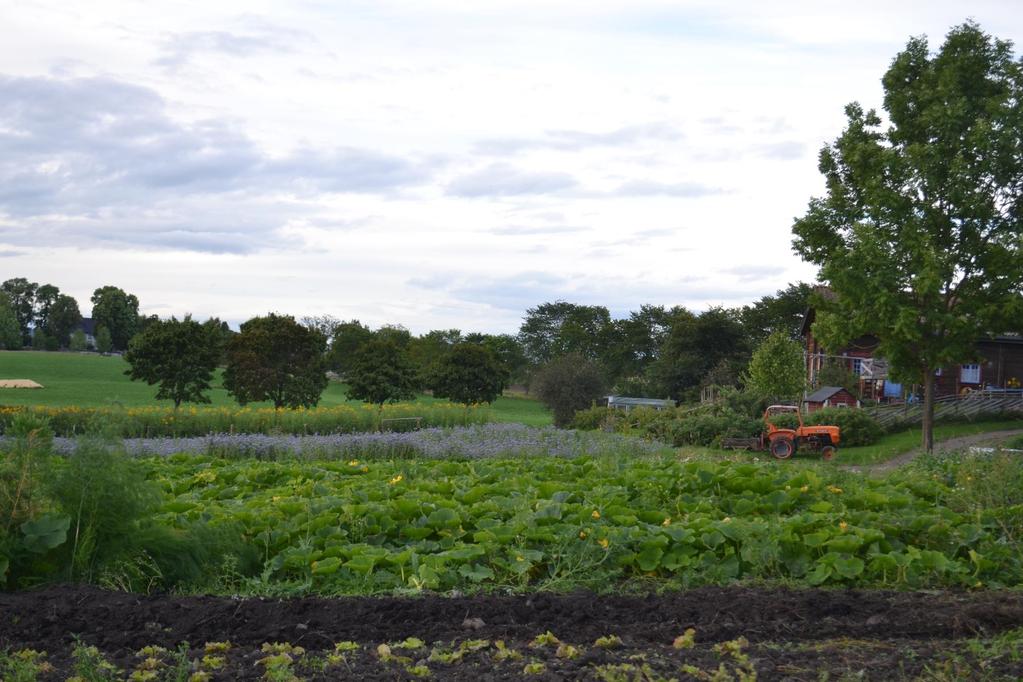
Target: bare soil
(791, 634)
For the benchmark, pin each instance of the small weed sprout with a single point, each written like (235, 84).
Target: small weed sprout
(546, 639)
(687, 640)
(608, 642)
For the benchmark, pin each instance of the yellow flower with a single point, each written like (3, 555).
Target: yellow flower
(843, 525)
(595, 514)
(354, 463)
(396, 479)
(365, 469)
(727, 519)
(666, 522)
(804, 489)
(603, 542)
(519, 558)
(835, 489)
(582, 535)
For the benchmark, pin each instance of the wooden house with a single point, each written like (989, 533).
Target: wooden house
(998, 364)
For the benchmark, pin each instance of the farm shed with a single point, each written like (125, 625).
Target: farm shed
(830, 396)
(623, 403)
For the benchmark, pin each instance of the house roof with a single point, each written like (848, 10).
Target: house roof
(88, 326)
(823, 393)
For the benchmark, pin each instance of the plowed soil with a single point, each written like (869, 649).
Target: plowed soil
(791, 634)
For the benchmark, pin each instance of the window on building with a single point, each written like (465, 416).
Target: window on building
(970, 374)
(857, 366)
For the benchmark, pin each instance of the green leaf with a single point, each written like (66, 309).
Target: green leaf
(45, 533)
(650, 558)
(848, 566)
(475, 572)
(327, 566)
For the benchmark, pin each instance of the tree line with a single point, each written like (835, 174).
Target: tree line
(560, 347)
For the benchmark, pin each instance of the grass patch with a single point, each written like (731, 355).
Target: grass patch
(899, 443)
(92, 380)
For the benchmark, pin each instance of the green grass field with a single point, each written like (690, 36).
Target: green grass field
(92, 380)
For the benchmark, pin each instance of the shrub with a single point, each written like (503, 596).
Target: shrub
(858, 427)
(568, 384)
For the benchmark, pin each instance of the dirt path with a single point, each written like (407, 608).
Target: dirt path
(949, 445)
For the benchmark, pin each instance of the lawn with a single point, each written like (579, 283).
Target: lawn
(92, 380)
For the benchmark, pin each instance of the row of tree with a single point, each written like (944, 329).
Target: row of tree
(274, 358)
(659, 351)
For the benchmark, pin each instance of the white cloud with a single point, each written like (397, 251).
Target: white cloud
(435, 164)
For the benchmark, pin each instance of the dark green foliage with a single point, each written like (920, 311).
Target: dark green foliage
(104, 341)
(77, 342)
(782, 312)
(709, 348)
(118, 311)
(46, 297)
(277, 359)
(106, 496)
(705, 425)
(22, 296)
(858, 427)
(836, 372)
(348, 338)
(43, 341)
(10, 332)
(180, 356)
(776, 369)
(556, 329)
(468, 374)
(508, 352)
(920, 235)
(428, 351)
(62, 319)
(568, 384)
(381, 372)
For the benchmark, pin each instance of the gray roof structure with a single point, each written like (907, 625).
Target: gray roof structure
(823, 393)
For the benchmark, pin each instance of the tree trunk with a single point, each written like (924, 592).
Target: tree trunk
(928, 412)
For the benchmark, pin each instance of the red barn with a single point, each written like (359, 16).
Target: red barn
(830, 396)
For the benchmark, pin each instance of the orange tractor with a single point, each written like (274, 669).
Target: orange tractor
(783, 442)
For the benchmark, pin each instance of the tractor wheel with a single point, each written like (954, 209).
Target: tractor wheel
(782, 448)
(828, 452)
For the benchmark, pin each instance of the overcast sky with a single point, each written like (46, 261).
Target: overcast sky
(435, 164)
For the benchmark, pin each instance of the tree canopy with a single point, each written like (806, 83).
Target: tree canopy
(919, 235)
(568, 384)
(776, 370)
(179, 355)
(277, 359)
(380, 372)
(469, 373)
(118, 312)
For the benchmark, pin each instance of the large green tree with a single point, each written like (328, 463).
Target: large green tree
(22, 296)
(469, 373)
(63, 318)
(554, 329)
(782, 311)
(118, 311)
(46, 296)
(777, 370)
(709, 348)
(568, 384)
(179, 355)
(277, 359)
(380, 371)
(10, 332)
(920, 235)
(348, 337)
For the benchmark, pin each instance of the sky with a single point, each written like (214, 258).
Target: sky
(435, 164)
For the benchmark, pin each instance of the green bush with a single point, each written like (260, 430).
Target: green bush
(704, 425)
(858, 427)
